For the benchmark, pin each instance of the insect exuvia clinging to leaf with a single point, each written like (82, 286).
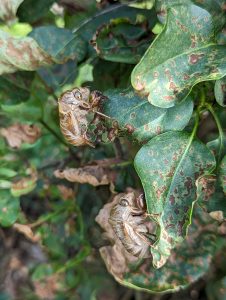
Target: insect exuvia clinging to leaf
(128, 219)
(78, 108)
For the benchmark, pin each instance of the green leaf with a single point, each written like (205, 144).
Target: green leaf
(221, 37)
(220, 91)
(5, 184)
(216, 145)
(36, 9)
(88, 28)
(9, 208)
(116, 75)
(8, 173)
(223, 174)
(23, 187)
(15, 86)
(123, 41)
(44, 46)
(168, 166)
(136, 117)
(210, 196)
(191, 56)
(8, 9)
(24, 111)
(216, 290)
(61, 44)
(59, 74)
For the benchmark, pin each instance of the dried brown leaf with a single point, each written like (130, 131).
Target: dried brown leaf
(20, 133)
(217, 215)
(94, 175)
(47, 288)
(66, 192)
(8, 9)
(26, 231)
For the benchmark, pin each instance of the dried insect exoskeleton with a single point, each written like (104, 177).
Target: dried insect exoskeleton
(128, 219)
(79, 108)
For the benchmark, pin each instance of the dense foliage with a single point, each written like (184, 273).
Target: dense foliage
(158, 70)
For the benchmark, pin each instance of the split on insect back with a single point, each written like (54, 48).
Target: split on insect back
(81, 119)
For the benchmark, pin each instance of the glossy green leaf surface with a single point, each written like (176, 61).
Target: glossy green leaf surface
(136, 117)
(9, 208)
(220, 91)
(191, 56)
(168, 166)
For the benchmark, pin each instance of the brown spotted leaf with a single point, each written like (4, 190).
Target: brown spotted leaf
(140, 120)
(45, 46)
(210, 196)
(220, 91)
(21, 54)
(184, 54)
(18, 134)
(26, 231)
(168, 166)
(189, 262)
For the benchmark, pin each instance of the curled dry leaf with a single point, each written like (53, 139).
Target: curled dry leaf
(24, 185)
(217, 215)
(81, 120)
(20, 133)
(26, 231)
(8, 9)
(94, 175)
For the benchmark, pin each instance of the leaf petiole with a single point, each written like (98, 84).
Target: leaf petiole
(219, 127)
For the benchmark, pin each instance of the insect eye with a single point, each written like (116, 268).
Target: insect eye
(77, 95)
(124, 202)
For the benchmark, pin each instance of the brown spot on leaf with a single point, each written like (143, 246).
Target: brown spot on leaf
(194, 58)
(168, 98)
(186, 76)
(172, 199)
(130, 128)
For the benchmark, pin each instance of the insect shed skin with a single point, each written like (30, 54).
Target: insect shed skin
(74, 107)
(128, 219)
